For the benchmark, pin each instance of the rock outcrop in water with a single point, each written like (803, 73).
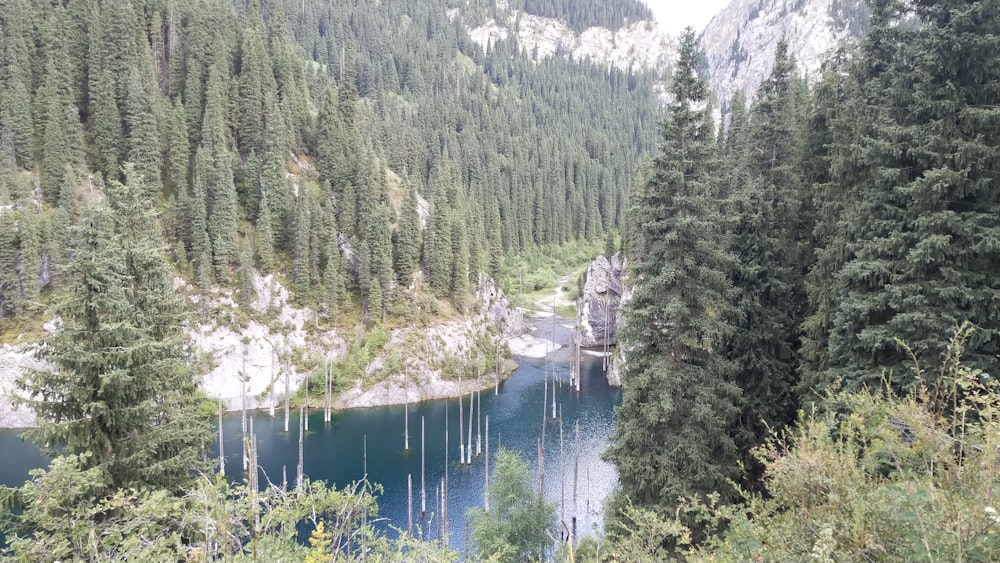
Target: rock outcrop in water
(599, 306)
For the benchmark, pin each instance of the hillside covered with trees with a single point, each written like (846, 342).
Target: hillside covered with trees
(310, 139)
(833, 252)
(809, 355)
(370, 155)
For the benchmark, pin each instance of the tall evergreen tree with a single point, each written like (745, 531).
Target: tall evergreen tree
(922, 238)
(767, 277)
(121, 387)
(407, 238)
(672, 434)
(142, 142)
(217, 169)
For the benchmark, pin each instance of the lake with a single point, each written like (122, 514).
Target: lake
(335, 452)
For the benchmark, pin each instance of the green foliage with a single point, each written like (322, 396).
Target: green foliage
(672, 434)
(917, 254)
(889, 478)
(66, 518)
(519, 522)
(121, 388)
(769, 222)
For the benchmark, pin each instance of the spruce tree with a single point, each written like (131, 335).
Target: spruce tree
(107, 123)
(216, 167)
(438, 246)
(142, 144)
(407, 238)
(10, 291)
(672, 433)
(201, 244)
(767, 278)
(923, 256)
(121, 387)
(300, 249)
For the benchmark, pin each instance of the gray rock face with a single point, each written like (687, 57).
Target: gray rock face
(599, 307)
(499, 309)
(740, 40)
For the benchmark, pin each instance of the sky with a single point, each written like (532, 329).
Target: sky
(675, 15)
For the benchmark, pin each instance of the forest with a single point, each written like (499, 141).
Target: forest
(808, 354)
(306, 138)
(811, 350)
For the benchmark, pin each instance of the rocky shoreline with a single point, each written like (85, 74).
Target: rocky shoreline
(252, 361)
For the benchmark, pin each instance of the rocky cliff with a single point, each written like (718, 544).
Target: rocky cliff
(250, 353)
(599, 307)
(635, 45)
(445, 359)
(739, 41)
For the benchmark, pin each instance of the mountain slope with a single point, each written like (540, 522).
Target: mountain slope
(739, 41)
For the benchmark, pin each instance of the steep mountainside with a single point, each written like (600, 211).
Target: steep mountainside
(628, 44)
(640, 44)
(739, 42)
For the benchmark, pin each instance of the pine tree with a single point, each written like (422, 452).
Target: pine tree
(201, 244)
(376, 312)
(767, 277)
(334, 292)
(15, 117)
(10, 292)
(142, 144)
(15, 76)
(216, 167)
(247, 294)
(496, 245)
(835, 125)
(179, 157)
(258, 114)
(460, 266)
(300, 249)
(407, 238)
(922, 236)
(671, 437)
(107, 126)
(121, 388)
(62, 135)
(438, 246)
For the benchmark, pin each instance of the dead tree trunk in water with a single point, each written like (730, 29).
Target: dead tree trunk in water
(222, 454)
(300, 470)
(461, 419)
(468, 446)
(423, 488)
(576, 469)
(496, 387)
(243, 413)
(562, 474)
(288, 393)
(486, 485)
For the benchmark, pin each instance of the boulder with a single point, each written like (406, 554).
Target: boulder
(599, 306)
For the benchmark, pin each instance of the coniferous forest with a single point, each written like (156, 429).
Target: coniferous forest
(808, 356)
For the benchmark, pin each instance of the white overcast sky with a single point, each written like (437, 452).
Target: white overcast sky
(675, 15)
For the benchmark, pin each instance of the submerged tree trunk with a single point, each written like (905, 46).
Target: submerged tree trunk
(222, 454)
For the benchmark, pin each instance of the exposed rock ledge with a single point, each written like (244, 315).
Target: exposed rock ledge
(422, 375)
(258, 356)
(599, 311)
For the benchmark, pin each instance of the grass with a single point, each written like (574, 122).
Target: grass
(538, 273)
